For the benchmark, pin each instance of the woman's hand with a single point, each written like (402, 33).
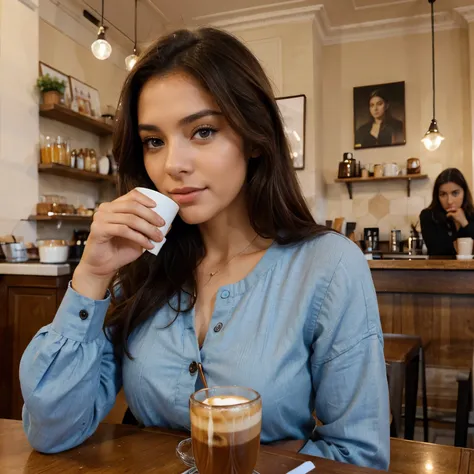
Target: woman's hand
(458, 216)
(120, 231)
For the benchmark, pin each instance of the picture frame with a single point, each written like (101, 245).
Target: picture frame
(56, 74)
(87, 98)
(379, 115)
(293, 112)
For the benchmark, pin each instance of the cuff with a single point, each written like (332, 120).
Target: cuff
(80, 318)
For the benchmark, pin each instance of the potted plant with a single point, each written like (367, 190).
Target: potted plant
(51, 88)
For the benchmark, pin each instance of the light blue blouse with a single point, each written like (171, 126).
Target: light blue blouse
(302, 329)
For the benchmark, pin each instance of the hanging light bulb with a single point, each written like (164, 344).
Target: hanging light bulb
(433, 138)
(101, 48)
(131, 60)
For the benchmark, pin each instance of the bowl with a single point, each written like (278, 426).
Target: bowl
(15, 252)
(53, 251)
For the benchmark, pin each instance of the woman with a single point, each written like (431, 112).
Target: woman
(382, 129)
(450, 215)
(247, 284)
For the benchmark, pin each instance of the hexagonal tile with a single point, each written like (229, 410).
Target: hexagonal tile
(379, 206)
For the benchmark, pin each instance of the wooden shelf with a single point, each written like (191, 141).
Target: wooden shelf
(84, 122)
(68, 172)
(61, 217)
(408, 178)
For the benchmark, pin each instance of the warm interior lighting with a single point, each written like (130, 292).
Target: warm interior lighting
(101, 48)
(429, 466)
(432, 139)
(130, 61)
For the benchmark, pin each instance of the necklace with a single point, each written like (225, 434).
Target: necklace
(215, 272)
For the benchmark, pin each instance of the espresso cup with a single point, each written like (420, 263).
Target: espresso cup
(464, 246)
(166, 208)
(225, 429)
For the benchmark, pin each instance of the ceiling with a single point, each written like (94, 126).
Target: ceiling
(157, 16)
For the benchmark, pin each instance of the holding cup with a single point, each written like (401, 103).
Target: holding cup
(464, 248)
(166, 208)
(225, 429)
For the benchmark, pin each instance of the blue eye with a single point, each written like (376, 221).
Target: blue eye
(152, 143)
(204, 133)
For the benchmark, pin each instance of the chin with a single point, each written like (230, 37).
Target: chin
(195, 215)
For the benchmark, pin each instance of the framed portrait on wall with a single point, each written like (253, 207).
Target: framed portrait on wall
(87, 98)
(379, 115)
(293, 111)
(54, 73)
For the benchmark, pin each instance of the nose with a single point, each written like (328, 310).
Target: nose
(178, 159)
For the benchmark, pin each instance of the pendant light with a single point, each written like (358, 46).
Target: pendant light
(433, 138)
(101, 48)
(131, 60)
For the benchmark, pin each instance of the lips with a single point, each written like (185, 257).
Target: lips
(186, 195)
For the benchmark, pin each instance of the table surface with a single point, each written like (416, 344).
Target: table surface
(121, 449)
(434, 264)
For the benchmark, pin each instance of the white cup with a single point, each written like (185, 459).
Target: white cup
(390, 169)
(465, 246)
(166, 208)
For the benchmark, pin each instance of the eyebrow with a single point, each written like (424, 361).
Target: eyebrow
(145, 127)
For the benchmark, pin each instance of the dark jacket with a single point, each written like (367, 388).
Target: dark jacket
(391, 132)
(439, 233)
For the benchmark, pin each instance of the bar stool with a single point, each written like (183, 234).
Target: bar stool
(458, 357)
(404, 356)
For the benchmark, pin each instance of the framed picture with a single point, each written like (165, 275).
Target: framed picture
(379, 115)
(46, 69)
(293, 111)
(86, 97)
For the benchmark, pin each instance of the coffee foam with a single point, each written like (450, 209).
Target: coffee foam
(242, 420)
(225, 401)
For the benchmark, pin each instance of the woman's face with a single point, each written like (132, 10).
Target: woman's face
(451, 196)
(377, 107)
(191, 153)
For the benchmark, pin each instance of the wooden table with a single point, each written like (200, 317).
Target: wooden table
(121, 449)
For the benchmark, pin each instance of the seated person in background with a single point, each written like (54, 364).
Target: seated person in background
(450, 215)
(247, 283)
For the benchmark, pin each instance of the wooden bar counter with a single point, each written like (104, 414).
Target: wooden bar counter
(433, 299)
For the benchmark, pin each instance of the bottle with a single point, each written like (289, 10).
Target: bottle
(87, 160)
(47, 147)
(93, 161)
(73, 159)
(80, 160)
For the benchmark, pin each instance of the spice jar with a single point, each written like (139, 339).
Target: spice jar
(93, 161)
(80, 160)
(46, 146)
(87, 160)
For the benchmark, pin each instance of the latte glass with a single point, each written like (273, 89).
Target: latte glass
(225, 429)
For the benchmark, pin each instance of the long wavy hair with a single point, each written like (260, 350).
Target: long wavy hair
(451, 175)
(276, 207)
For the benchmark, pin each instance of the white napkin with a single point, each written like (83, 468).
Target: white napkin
(303, 469)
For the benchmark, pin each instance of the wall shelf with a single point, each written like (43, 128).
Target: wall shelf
(60, 217)
(75, 119)
(68, 172)
(408, 178)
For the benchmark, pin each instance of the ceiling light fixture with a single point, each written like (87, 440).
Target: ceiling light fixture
(131, 60)
(101, 48)
(433, 138)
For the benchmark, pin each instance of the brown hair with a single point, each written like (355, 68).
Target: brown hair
(276, 207)
(452, 175)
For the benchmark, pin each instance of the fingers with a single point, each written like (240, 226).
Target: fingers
(135, 195)
(133, 208)
(110, 230)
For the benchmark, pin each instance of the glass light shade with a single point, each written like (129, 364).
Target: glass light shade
(130, 61)
(101, 49)
(433, 138)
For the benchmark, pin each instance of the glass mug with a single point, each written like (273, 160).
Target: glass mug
(225, 430)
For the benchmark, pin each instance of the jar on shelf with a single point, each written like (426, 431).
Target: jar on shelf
(93, 161)
(60, 151)
(72, 158)
(87, 160)
(80, 160)
(46, 147)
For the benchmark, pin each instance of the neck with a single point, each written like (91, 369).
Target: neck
(229, 232)
(378, 121)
